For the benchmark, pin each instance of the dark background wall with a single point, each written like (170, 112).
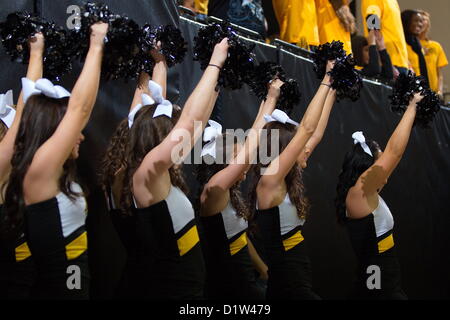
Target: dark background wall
(417, 193)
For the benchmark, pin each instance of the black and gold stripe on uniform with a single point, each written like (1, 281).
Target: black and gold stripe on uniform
(385, 241)
(237, 242)
(187, 238)
(292, 238)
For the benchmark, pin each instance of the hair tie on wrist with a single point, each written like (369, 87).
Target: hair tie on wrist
(214, 65)
(325, 84)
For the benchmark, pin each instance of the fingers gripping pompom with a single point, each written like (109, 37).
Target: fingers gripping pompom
(238, 67)
(403, 91)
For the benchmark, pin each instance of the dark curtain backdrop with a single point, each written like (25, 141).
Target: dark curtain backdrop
(417, 192)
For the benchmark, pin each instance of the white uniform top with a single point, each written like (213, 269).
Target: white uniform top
(72, 212)
(289, 218)
(233, 223)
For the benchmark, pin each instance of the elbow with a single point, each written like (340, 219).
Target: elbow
(308, 128)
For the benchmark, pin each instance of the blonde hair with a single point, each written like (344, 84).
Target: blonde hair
(428, 17)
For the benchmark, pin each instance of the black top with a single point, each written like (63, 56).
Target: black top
(169, 249)
(286, 256)
(368, 249)
(229, 270)
(373, 69)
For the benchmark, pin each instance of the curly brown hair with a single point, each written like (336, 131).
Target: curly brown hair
(129, 146)
(204, 172)
(3, 129)
(293, 180)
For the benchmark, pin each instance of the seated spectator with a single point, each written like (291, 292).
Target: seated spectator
(199, 6)
(245, 13)
(434, 56)
(412, 26)
(298, 22)
(371, 55)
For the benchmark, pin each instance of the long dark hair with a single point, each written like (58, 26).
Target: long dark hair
(204, 172)
(414, 41)
(134, 144)
(40, 119)
(294, 181)
(358, 44)
(355, 163)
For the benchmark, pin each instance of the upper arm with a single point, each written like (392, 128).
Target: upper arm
(376, 176)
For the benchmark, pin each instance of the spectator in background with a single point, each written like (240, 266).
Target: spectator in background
(335, 22)
(434, 56)
(245, 13)
(298, 22)
(199, 6)
(371, 55)
(412, 25)
(388, 11)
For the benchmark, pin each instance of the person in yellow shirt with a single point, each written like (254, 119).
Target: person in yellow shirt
(298, 22)
(388, 11)
(434, 56)
(412, 25)
(200, 6)
(335, 22)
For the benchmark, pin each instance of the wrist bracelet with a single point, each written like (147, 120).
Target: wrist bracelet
(325, 84)
(214, 65)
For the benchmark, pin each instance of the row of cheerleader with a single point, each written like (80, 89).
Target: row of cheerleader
(216, 247)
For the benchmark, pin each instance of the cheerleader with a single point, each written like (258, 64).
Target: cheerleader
(227, 249)
(42, 199)
(278, 202)
(367, 217)
(17, 268)
(111, 176)
(167, 238)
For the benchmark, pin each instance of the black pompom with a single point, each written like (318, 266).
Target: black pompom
(325, 52)
(20, 26)
(289, 96)
(121, 51)
(345, 79)
(262, 75)
(260, 80)
(403, 91)
(173, 45)
(238, 67)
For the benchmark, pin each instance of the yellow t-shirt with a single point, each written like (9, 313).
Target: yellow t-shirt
(435, 58)
(330, 27)
(298, 21)
(413, 60)
(391, 27)
(202, 6)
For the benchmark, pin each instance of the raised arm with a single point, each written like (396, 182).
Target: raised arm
(226, 178)
(198, 109)
(320, 130)
(280, 166)
(34, 72)
(375, 177)
(51, 156)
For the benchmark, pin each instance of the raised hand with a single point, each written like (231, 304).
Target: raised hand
(37, 43)
(220, 53)
(98, 33)
(156, 53)
(275, 88)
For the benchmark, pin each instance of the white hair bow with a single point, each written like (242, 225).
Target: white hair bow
(7, 112)
(210, 136)
(280, 116)
(164, 107)
(42, 86)
(358, 137)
